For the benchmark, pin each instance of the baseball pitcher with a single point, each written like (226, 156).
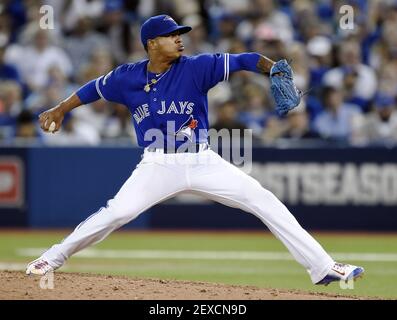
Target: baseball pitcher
(167, 97)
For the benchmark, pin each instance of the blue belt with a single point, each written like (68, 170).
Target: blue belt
(190, 148)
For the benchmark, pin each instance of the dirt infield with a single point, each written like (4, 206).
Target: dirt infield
(77, 286)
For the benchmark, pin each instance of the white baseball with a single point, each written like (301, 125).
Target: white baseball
(52, 126)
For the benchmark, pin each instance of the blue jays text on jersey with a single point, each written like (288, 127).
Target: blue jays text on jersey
(179, 95)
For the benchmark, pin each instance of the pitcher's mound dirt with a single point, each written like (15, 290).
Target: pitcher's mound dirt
(17, 285)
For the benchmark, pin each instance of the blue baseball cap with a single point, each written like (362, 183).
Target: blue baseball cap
(160, 26)
(113, 5)
(383, 100)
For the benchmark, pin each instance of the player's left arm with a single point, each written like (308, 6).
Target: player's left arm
(210, 69)
(250, 61)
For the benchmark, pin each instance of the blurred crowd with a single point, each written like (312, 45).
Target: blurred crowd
(350, 74)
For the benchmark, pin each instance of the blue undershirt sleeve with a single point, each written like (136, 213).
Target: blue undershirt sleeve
(244, 61)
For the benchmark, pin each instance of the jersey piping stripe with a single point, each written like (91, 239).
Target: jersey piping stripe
(97, 88)
(226, 67)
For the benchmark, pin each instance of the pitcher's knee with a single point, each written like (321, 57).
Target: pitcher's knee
(257, 193)
(119, 215)
(261, 199)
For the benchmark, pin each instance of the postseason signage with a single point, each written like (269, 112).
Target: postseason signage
(334, 177)
(330, 183)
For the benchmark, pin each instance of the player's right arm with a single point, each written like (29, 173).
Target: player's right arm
(57, 113)
(106, 87)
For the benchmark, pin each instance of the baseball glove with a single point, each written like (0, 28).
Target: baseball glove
(283, 89)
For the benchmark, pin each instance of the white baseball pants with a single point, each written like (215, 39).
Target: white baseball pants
(161, 176)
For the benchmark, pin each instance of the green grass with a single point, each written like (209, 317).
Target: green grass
(380, 278)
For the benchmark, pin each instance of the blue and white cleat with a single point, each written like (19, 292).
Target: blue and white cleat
(342, 272)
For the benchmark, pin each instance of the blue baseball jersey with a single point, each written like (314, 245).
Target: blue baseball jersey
(175, 109)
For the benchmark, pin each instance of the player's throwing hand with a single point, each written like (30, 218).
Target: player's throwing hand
(47, 118)
(55, 115)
